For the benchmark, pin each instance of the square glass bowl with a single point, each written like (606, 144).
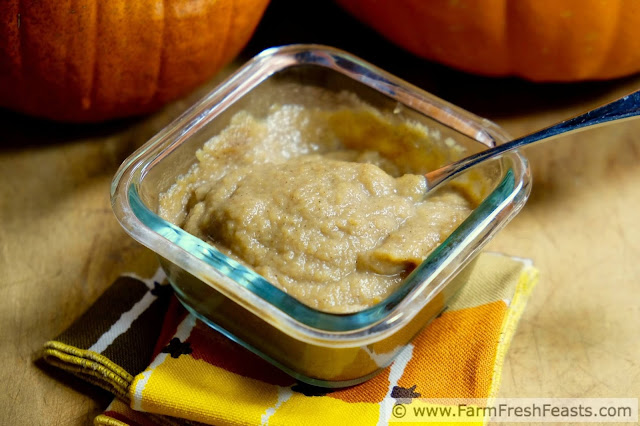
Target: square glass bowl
(316, 347)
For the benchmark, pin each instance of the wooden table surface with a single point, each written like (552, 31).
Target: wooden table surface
(60, 245)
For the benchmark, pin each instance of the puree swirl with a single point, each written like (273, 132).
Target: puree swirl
(335, 227)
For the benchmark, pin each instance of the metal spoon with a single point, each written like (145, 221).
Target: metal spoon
(622, 109)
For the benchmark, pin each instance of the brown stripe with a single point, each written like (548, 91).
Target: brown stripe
(118, 299)
(133, 349)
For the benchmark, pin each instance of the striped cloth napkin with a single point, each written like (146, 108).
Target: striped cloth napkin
(167, 368)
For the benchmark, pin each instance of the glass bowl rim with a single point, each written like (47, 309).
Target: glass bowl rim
(394, 311)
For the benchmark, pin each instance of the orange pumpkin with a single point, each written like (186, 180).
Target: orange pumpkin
(91, 60)
(541, 40)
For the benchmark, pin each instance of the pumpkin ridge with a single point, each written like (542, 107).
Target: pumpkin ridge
(80, 53)
(225, 50)
(542, 41)
(413, 12)
(93, 60)
(20, 62)
(231, 27)
(66, 83)
(216, 61)
(161, 57)
(611, 49)
(93, 86)
(508, 14)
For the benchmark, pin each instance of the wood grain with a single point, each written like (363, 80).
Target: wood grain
(579, 334)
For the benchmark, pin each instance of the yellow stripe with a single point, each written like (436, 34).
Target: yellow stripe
(527, 281)
(301, 410)
(196, 390)
(493, 277)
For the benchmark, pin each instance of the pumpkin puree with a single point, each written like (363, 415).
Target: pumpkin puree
(337, 228)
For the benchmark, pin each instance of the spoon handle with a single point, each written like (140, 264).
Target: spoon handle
(621, 109)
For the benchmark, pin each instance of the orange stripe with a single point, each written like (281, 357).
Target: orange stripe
(455, 357)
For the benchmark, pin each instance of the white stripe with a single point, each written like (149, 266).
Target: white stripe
(397, 370)
(183, 332)
(126, 319)
(158, 277)
(140, 384)
(123, 323)
(283, 396)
